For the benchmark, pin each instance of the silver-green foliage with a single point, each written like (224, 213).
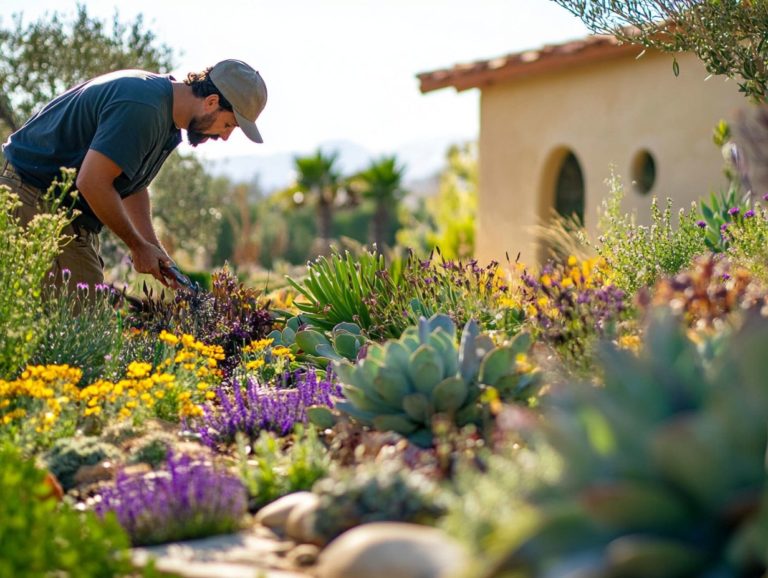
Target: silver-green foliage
(26, 254)
(728, 36)
(402, 384)
(663, 467)
(640, 254)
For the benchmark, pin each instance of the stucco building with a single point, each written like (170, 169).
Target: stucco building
(554, 121)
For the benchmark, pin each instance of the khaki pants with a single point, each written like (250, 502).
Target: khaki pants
(80, 255)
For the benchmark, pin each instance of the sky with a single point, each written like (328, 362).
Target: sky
(340, 70)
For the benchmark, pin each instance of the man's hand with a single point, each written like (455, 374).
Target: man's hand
(150, 259)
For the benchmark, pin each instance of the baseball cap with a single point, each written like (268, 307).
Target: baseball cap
(245, 90)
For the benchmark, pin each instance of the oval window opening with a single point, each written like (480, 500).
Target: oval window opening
(569, 189)
(643, 172)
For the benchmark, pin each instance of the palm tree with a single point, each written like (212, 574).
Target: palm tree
(318, 181)
(381, 182)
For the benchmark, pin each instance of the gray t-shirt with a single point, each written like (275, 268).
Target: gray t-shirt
(125, 115)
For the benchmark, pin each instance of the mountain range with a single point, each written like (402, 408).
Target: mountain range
(423, 161)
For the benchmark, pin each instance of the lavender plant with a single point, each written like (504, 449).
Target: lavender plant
(252, 407)
(83, 328)
(189, 499)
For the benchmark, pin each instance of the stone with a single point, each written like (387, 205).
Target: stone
(300, 524)
(303, 555)
(243, 555)
(275, 515)
(392, 549)
(101, 472)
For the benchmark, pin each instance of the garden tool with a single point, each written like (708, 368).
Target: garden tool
(172, 272)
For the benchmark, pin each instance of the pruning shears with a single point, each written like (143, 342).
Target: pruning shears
(172, 272)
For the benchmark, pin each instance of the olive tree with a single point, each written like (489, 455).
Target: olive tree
(729, 36)
(41, 59)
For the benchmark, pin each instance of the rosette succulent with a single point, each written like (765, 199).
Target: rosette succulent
(402, 384)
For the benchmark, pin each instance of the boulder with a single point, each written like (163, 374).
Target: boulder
(389, 549)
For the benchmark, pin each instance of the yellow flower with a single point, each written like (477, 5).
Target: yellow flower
(138, 369)
(168, 337)
(255, 364)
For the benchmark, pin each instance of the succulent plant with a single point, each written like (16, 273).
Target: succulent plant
(68, 454)
(401, 385)
(316, 346)
(663, 467)
(384, 493)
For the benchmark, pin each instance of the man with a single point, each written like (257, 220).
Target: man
(116, 131)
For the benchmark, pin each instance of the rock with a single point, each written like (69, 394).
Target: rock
(392, 549)
(101, 472)
(300, 524)
(275, 515)
(303, 555)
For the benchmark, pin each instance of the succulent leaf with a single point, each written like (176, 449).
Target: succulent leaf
(449, 395)
(418, 407)
(399, 423)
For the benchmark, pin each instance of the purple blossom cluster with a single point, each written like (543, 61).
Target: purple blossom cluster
(253, 407)
(566, 314)
(189, 499)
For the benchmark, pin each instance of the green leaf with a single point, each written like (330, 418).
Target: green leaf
(399, 423)
(449, 395)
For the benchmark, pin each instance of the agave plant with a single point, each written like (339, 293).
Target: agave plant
(663, 468)
(401, 385)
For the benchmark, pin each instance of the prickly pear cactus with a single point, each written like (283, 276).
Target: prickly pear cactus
(400, 385)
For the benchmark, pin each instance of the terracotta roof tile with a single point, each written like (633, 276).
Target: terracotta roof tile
(549, 58)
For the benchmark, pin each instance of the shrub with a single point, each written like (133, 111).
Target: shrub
(663, 464)
(277, 466)
(381, 493)
(190, 499)
(229, 316)
(26, 254)
(257, 407)
(42, 537)
(81, 330)
(638, 255)
(68, 454)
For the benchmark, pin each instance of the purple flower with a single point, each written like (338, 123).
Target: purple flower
(190, 499)
(724, 226)
(701, 224)
(734, 211)
(259, 407)
(750, 213)
(765, 197)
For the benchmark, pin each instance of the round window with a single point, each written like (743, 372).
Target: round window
(643, 172)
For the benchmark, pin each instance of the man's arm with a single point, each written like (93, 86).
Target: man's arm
(95, 181)
(139, 210)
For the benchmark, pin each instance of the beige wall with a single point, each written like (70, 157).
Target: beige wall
(604, 113)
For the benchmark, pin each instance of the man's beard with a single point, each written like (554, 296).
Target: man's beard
(197, 126)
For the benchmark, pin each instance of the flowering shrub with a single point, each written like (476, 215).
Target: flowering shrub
(569, 304)
(708, 292)
(26, 254)
(638, 255)
(463, 290)
(229, 316)
(40, 405)
(189, 499)
(82, 328)
(255, 407)
(174, 389)
(264, 361)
